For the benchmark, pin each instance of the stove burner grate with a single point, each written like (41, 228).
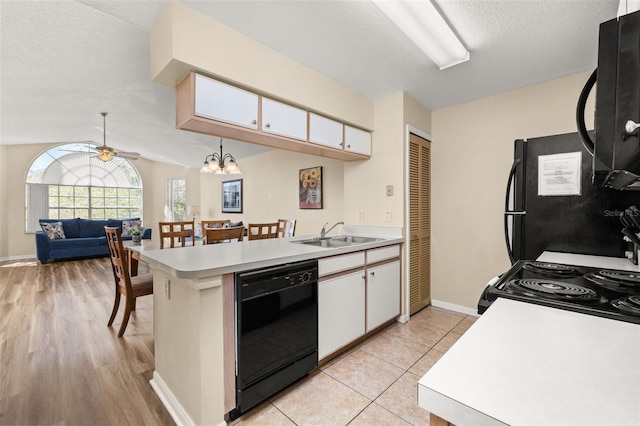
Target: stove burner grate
(629, 305)
(556, 290)
(552, 269)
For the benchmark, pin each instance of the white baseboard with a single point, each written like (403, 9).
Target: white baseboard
(455, 308)
(403, 319)
(170, 402)
(23, 257)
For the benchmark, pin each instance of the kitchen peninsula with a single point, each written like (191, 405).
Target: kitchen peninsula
(194, 317)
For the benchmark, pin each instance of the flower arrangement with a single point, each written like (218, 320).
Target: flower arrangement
(310, 188)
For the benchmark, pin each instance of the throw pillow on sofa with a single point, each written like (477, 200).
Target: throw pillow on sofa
(53, 230)
(128, 226)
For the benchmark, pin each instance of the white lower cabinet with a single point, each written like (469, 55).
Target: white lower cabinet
(383, 294)
(341, 311)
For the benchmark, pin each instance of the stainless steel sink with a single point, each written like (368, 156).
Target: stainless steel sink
(337, 241)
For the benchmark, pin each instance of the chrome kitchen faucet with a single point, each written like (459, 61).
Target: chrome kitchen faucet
(325, 231)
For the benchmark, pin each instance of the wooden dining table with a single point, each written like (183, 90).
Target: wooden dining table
(134, 249)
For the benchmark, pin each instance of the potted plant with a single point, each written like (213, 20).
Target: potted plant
(136, 235)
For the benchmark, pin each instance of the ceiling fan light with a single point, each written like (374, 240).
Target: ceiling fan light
(105, 156)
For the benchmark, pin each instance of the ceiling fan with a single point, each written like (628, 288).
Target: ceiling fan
(106, 153)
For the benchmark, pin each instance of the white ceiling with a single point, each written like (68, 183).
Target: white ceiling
(62, 62)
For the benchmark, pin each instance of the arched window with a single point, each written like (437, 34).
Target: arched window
(68, 181)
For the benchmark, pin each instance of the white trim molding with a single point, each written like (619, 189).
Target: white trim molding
(178, 414)
(406, 303)
(455, 308)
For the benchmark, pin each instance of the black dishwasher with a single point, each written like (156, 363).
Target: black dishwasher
(276, 330)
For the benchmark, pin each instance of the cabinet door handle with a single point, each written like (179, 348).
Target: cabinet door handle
(253, 122)
(349, 146)
(267, 125)
(373, 273)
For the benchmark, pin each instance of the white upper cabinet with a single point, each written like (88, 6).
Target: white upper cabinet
(324, 131)
(284, 120)
(222, 102)
(356, 140)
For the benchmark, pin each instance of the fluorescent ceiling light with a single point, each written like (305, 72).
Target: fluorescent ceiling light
(425, 26)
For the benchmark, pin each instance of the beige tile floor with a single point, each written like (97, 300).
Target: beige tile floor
(374, 383)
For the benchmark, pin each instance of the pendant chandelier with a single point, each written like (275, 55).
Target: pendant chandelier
(215, 163)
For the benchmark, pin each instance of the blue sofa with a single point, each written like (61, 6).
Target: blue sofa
(83, 238)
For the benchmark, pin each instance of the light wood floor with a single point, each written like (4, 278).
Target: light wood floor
(59, 362)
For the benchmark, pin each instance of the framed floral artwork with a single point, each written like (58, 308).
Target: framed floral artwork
(232, 196)
(310, 188)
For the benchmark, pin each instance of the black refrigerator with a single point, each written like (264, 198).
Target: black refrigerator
(551, 203)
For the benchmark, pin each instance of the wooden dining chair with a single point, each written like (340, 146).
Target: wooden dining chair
(212, 224)
(177, 233)
(224, 235)
(125, 285)
(260, 231)
(286, 227)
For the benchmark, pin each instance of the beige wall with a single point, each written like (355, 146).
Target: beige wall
(366, 202)
(15, 160)
(270, 191)
(471, 155)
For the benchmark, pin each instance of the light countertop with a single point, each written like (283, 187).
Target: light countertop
(206, 261)
(525, 364)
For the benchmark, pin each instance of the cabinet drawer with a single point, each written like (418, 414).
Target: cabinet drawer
(332, 265)
(383, 253)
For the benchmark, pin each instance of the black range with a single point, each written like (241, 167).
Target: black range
(606, 293)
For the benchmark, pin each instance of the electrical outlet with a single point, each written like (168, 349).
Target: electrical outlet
(361, 215)
(167, 288)
(389, 190)
(387, 216)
